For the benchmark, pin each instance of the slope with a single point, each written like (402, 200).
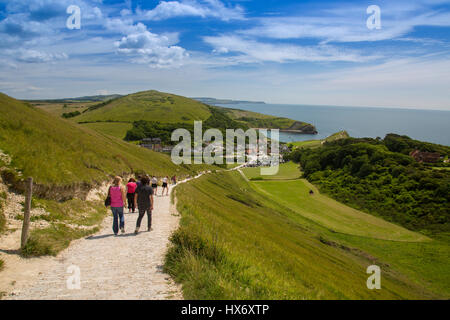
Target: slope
(57, 152)
(150, 106)
(235, 243)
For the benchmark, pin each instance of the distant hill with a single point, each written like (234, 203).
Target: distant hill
(215, 101)
(148, 105)
(168, 108)
(64, 158)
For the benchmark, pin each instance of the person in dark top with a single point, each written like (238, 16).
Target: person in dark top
(143, 199)
(138, 182)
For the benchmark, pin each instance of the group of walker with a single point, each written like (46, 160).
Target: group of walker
(139, 194)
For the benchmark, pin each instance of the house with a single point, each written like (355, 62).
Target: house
(154, 144)
(427, 157)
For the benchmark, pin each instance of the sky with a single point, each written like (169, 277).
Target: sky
(278, 51)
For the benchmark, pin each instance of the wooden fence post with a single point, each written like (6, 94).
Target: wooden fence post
(27, 212)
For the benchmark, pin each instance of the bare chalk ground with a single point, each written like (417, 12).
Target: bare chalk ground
(128, 266)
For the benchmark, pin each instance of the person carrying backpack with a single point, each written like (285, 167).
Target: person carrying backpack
(144, 201)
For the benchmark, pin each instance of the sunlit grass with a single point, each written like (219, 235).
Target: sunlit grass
(237, 243)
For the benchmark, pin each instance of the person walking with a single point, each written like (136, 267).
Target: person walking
(131, 190)
(174, 180)
(118, 202)
(155, 185)
(144, 201)
(165, 185)
(138, 182)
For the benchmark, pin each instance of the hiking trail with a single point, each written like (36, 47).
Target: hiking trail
(128, 266)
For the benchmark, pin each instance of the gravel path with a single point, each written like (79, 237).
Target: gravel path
(124, 267)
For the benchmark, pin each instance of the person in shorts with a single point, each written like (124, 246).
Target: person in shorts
(165, 185)
(155, 185)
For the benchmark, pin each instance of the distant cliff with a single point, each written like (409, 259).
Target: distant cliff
(301, 127)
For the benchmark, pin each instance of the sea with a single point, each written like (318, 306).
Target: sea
(360, 122)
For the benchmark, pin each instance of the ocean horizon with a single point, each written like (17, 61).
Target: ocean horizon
(359, 122)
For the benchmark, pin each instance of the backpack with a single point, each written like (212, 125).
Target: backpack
(108, 198)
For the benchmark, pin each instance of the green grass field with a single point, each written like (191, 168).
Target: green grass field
(332, 214)
(287, 170)
(115, 129)
(238, 243)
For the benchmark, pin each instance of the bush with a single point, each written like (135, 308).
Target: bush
(71, 114)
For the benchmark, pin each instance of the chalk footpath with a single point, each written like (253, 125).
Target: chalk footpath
(124, 267)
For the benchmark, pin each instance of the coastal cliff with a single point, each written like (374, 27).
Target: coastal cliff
(301, 127)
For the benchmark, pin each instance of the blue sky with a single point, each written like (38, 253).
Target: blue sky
(299, 52)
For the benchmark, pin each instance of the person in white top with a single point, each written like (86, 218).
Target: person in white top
(155, 185)
(165, 185)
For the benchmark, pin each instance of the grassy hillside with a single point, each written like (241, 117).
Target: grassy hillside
(286, 171)
(66, 160)
(115, 129)
(319, 143)
(153, 106)
(236, 242)
(58, 152)
(332, 214)
(149, 106)
(259, 120)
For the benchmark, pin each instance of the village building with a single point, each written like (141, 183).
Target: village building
(427, 157)
(154, 144)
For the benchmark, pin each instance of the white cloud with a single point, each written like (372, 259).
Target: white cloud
(35, 56)
(155, 50)
(254, 51)
(193, 8)
(348, 23)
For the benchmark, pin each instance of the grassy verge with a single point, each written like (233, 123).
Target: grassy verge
(52, 240)
(236, 243)
(2, 264)
(69, 221)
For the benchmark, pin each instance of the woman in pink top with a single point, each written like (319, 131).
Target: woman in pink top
(117, 193)
(131, 190)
